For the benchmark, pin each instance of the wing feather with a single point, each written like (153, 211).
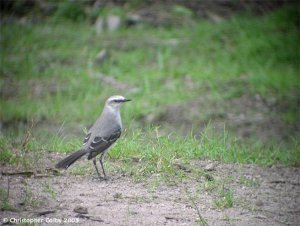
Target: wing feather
(100, 144)
(86, 139)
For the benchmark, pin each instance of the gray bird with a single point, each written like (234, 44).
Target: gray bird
(106, 130)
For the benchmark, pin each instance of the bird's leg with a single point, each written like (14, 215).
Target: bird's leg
(102, 166)
(94, 161)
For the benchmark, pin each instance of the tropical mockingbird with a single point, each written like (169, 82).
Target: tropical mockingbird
(105, 131)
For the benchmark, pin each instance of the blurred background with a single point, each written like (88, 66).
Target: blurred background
(227, 68)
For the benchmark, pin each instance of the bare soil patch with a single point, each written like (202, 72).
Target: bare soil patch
(261, 195)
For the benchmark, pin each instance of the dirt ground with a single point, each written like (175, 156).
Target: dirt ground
(262, 195)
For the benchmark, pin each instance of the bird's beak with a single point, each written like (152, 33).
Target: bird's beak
(125, 100)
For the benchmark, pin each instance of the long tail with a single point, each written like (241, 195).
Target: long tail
(66, 162)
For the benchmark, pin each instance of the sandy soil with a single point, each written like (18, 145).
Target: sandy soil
(262, 195)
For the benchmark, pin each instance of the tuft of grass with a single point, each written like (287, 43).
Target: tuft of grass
(225, 199)
(84, 169)
(70, 10)
(6, 155)
(192, 199)
(220, 190)
(31, 198)
(248, 181)
(49, 189)
(5, 205)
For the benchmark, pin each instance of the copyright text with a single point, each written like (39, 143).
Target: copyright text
(46, 220)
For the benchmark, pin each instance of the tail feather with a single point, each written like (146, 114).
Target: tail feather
(66, 162)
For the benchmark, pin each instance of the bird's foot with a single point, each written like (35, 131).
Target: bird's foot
(106, 178)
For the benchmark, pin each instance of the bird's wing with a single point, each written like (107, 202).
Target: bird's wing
(100, 144)
(86, 139)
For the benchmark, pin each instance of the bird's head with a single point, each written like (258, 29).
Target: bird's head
(116, 101)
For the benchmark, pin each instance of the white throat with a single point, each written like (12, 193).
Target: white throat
(116, 112)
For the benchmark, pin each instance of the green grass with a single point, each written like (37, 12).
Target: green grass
(5, 204)
(248, 182)
(143, 154)
(225, 200)
(5, 149)
(49, 66)
(264, 51)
